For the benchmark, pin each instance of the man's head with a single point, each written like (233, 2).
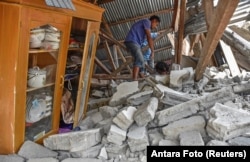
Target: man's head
(162, 68)
(155, 20)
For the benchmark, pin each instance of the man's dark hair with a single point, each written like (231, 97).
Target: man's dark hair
(161, 67)
(157, 18)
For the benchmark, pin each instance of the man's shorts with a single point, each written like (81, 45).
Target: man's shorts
(136, 52)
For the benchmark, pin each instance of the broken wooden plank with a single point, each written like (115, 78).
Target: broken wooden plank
(108, 37)
(233, 66)
(102, 66)
(181, 32)
(110, 57)
(114, 73)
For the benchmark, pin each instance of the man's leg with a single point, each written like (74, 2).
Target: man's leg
(136, 70)
(138, 58)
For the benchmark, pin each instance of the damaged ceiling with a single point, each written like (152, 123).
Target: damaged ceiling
(189, 28)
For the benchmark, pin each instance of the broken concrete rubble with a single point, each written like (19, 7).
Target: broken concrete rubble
(124, 90)
(146, 112)
(124, 119)
(191, 138)
(116, 135)
(137, 138)
(226, 122)
(214, 113)
(191, 107)
(174, 129)
(74, 141)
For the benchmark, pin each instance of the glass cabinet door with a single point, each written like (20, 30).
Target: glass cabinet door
(45, 37)
(73, 70)
(43, 56)
(85, 77)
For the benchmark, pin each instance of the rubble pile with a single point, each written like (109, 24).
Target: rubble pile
(153, 112)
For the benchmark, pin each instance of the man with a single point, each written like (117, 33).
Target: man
(135, 38)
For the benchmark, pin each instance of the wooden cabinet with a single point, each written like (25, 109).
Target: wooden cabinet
(19, 99)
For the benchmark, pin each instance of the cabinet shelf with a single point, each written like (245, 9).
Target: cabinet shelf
(75, 49)
(41, 51)
(29, 89)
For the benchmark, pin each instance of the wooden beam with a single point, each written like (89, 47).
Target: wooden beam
(141, 17)
(208, 6)
(193, 40)
(121, 67)
(181, 32)
(110, 57)
(102, 66)
(110, 38)
(106, 25)
(176, 15)
(116, 59)
(220, 20)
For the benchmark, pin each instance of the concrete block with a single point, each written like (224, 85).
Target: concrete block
(191, 138)
(74, 141)
(191, 107)
(155, 137)
(163, 79)
(139, 98)
(116, 135)
(177, 77)
(173, 129)
(189, 80)
(226, 122)
(239, 141)
(137, 138)
(174, 98)
(146, 112)
(116, 149)
(124, 90)
(91, 152)
(31, 149)
(167, 142)
(124, 119)
(108, 111)
(43, 160)
(103, 154)
(11, 158)
(217, 143)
